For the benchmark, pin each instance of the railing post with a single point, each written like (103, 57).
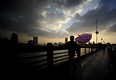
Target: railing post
(91, 48)
(85, 51)
(50, 55)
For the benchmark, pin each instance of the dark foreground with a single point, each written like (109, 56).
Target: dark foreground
(96, 66)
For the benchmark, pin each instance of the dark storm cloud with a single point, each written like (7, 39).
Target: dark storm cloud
(80, 27)
(20, 5)
(72, 3)
(103, 13)
(21, 15)
(68, 3)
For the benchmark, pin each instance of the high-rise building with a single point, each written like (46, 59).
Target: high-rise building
(30, 42)
(35, 40)
(66, 40)
(14, 38)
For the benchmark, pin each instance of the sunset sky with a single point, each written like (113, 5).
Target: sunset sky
(53, 20)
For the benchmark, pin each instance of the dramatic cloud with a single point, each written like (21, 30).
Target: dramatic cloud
(41, 16)
(104, 14)
(19, 16)
(73, 3)
(56, 18)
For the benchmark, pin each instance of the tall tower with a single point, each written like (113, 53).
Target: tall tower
(96, 32)
(35, 40)
(66, 40)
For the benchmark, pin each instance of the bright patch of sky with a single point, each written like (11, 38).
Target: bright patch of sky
(81, 10)
(86, 6)
(110, 24)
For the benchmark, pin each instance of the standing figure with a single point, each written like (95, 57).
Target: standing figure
(72, 46)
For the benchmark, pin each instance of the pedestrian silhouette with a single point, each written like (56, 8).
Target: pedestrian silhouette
(71, 46)
(78, 50)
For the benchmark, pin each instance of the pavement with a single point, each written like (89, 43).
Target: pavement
(97, 66)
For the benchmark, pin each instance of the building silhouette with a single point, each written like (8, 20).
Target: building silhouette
(30, 42)
(14, 38)
(66, 40)
(35, 40)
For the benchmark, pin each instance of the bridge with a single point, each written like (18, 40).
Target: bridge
(95, 63)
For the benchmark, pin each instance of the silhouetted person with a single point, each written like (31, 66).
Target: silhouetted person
(78, 50)
(72, 46)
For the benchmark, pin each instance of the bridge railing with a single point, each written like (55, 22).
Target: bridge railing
(47, 59)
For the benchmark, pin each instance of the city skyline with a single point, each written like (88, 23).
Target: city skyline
(55, 20)
(14, 38)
